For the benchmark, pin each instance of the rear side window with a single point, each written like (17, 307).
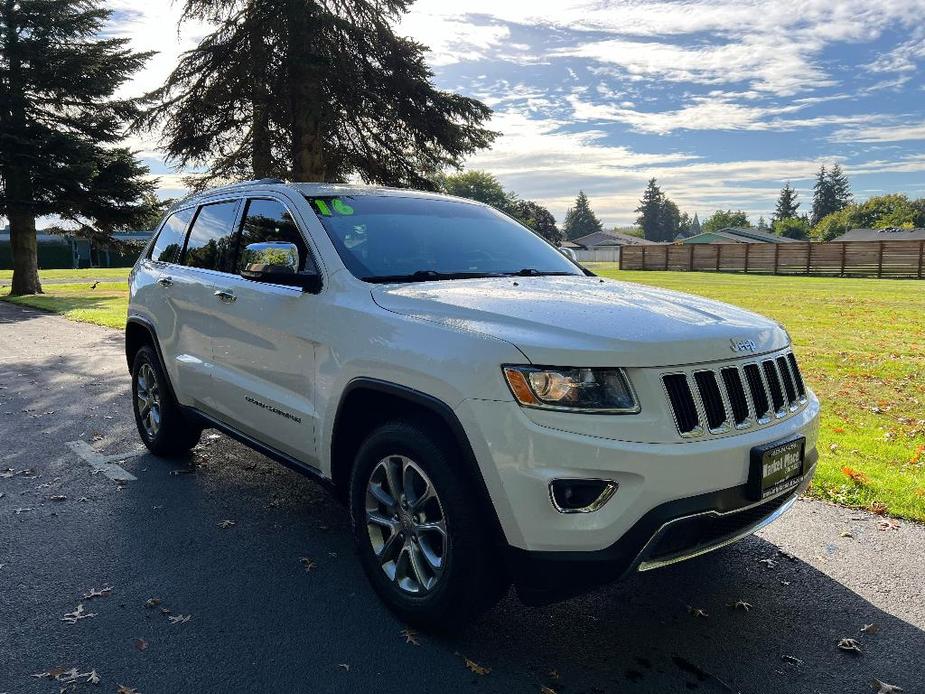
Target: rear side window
(169, 242)
(268, 220)
(211, 241)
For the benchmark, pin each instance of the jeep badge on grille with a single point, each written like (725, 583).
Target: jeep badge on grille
(743, 345)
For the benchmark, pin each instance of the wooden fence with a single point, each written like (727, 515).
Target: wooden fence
(836, 258)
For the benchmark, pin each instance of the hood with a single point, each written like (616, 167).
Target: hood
(586, 321)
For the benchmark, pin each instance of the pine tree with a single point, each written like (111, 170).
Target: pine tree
(315, 90)
(787, 204)
(581, 220)
(695, 225)
(650, 212)
(59, 126)
(823, 198)
(761, 223)
(840, 187)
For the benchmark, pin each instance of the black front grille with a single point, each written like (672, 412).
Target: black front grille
(756, 388)
(698, 532)
(736, 393)
(711, 398)
(788, 380)
(801, 389)
(777, 393)
(682, 402)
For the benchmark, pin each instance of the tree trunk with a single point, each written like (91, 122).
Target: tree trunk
(306, 109)
(261, 152)
(25, 253)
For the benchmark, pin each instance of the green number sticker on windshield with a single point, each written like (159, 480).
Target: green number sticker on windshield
(341, 207)
(323, 208)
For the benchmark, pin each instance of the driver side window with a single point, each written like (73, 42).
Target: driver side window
(269, 220)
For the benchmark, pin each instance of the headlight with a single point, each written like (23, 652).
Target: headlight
(601, 391)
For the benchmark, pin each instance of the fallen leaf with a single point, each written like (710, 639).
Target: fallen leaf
(888, 524)
(103, 592)
(225, 524)
(696, 612)
(152, 602)
(344, 666)
(741, 605)
(51, 674)
(884, 688)
(77, 615)
(308, 564)
(850, 645)
(410, 636)
(855, 476)
(93, 678)
(179, 619)
(126, 690)
(770, 563)
(58, 497)
(791, 659)
(141, 645)
(847, 534)
(554, 674)
(547, 690)
(476, 668)
(878, 507)
(870, 629)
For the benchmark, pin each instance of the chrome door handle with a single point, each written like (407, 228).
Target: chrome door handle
(165, 281)
(226, 296)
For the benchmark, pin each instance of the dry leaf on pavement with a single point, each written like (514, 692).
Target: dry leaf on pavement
(741, 605)
(308, 564)
(152, 602)
(888, 524)
(93, 678)
(696, 612)
(180, 618)
(77, 615)
(476, 668)
(141, 645)
(547, 690)
(126, 690)
(344, 666)
(103, 592)
(770, 563)
(411, 636)
(225, 524)
(884, 688)
(870, 629)
(850, 645)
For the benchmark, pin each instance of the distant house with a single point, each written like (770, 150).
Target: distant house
(604, 246)
(67, 251)
(888, 234)
(737, 235)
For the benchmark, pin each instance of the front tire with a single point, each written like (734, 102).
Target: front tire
(161, 424)
(422, 542)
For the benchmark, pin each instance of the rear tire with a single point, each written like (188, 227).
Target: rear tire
(161, 423)
(429, 578)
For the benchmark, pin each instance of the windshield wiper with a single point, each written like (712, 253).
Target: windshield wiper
(429, 276)
(533, 272)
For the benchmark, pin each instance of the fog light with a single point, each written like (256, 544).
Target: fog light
(580, 496)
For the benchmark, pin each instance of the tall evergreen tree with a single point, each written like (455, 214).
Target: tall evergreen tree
(695, 225)
(669, 221)
(650, 211)
(840, 187)
(823, 199)
(581, 220)
(59, 125)
(787, 204)
(316, 90)
(761, 223)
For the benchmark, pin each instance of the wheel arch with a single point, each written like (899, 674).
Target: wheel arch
(366, 403)
(140, 332)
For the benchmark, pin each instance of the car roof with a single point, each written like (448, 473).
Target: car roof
(319, 190)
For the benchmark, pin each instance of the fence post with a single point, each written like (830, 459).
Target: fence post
(747, 247)
(643, 258)
(809, 255)
(776, 256)
(921, 256)
(620, 259)
(880, 260)
(719, 253)
(843, 251)
(690, 260)
(667, 247)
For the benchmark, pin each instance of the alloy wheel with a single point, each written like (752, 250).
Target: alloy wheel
(148, 400)
(406, 525)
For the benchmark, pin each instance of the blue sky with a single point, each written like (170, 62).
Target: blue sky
(721, 101)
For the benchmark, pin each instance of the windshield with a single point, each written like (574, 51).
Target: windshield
(395, 239)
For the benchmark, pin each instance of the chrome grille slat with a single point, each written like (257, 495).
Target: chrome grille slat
(742, 394)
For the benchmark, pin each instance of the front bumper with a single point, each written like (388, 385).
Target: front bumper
(674, 500)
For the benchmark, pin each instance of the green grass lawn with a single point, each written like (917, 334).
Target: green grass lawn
(119, 273)
(861, 347)
(860, 342)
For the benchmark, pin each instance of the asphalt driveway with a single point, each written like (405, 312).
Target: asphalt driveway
(227, 572)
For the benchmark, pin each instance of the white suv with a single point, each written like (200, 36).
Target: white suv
(489, 411)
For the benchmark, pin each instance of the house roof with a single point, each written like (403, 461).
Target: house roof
(610, 238)
(743, 235)
(888, 234)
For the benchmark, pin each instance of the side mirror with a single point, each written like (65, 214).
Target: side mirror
(277, 263)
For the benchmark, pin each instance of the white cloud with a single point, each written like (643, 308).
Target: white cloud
(886, 133)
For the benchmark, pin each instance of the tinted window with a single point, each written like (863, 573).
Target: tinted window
(211, 240)
(268, 220)
(170, 241)
(385, 238)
